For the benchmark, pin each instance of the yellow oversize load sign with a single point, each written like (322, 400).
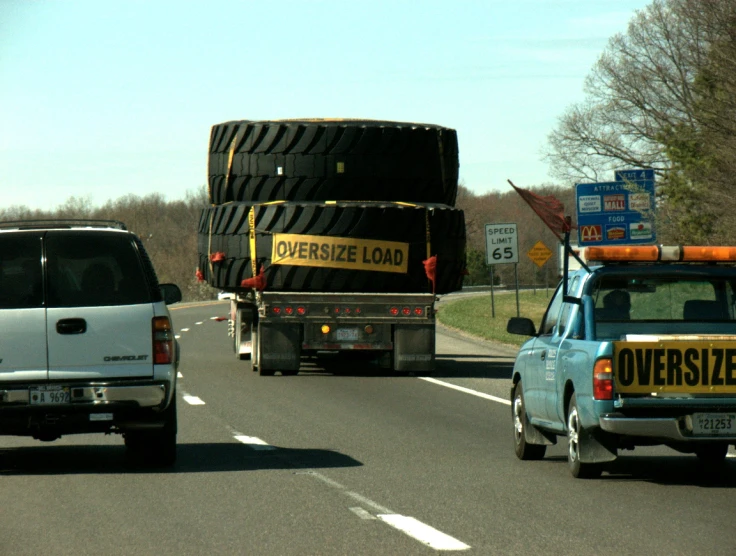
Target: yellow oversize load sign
(340, 252)
(697, 367)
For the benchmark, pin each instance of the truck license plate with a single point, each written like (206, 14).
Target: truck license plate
(49, 395)
(714, 424)
(347, 334)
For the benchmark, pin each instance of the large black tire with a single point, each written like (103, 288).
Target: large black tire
(225, 229)
(322, 160)
(712, 453)
(578, 469)
(520, 421)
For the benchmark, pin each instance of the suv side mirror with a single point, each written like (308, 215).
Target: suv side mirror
(171, 293)
(522, 326)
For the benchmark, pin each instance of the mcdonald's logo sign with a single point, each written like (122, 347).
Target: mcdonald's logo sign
(591, 232)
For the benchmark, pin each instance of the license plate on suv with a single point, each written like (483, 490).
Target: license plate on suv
(49, 395)
(714, 424)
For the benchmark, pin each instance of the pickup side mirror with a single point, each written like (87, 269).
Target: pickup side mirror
(171, 293)
(522, 326)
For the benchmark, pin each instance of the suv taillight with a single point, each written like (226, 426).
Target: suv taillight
(603, 380)
(163, 341)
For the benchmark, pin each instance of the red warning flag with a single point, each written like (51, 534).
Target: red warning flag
(548, 208)
(430, 269)
(258, 282)
(200, 275)
(217, 257)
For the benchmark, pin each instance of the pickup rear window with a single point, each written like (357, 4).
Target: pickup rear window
(671, 298)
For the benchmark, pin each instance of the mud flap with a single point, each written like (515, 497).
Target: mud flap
(281, 346)
(414, 348)
(597, 446)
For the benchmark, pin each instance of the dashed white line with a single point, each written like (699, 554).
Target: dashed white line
(179, 375)
(177, 336)
(192, 400)
(368, 502)
(255, 443)
(466, 390)
(198, 323)
(362, 514)
(185, 330)
(423, 532)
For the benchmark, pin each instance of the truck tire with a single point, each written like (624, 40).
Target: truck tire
(321, 160)
(225, 229)
(578, 469)
(524, 450)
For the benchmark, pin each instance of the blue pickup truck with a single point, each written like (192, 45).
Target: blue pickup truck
(638, 349)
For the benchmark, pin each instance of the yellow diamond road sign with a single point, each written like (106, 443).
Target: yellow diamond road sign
(540, 254)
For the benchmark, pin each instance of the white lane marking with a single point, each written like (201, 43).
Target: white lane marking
(193, 400)
(185, 330)
(198, 322)
(423, 532)
(368, 502)
(255, 443)
(177, 336)
(214, 318)
(466, 390)
(361, 513)
(179, 375)
(323, 478)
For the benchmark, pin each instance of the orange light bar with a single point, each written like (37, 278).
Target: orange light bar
(622, 253)
(708, 253)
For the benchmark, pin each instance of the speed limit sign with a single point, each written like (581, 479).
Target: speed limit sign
(502, 245)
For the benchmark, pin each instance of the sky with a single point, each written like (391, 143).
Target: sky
(101, 99)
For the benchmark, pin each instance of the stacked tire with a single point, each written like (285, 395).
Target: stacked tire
(371, 180)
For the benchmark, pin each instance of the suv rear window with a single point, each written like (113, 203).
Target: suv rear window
(87, 269)
(21, 284)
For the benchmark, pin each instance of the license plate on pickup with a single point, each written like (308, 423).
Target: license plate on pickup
(49, 395)
(714, 424)
(347, 334)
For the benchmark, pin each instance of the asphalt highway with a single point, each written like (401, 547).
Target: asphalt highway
(352, 462)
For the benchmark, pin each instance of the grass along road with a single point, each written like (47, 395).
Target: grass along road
(472, 314)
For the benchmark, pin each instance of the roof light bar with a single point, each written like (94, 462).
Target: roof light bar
(654, 253)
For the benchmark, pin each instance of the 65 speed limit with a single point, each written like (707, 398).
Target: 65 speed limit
(501, 244)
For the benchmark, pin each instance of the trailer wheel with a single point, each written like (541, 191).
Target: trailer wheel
(259, 367)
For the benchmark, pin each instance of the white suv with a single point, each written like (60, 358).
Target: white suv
(86, 340)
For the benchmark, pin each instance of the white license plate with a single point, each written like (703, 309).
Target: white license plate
(714, 424)
(347, 334)
(49, 395)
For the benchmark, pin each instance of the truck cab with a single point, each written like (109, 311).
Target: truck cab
(638, 349)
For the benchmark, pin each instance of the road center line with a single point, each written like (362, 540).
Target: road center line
(466, 390)
(362, 514)
(423, 532)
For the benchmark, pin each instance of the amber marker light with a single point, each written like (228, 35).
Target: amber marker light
(368, 329)
(325, 329)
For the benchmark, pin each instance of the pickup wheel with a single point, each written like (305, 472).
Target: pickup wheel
(578, 469)
(712, 453)
(524, 450)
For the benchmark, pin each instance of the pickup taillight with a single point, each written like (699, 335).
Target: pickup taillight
(603, 380)
(163, 341)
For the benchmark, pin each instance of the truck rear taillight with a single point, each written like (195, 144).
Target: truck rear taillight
(418, 311)
(301, 310)
(163, 341)
(406, 311)
(289, 310)
(603, 380)
(276, 310)
(394, 311)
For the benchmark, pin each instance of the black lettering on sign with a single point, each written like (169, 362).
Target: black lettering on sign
(387, 258)
(674, 367)
(626, 367)
(398, 257)
(704, 366)
(376, 256)
(340, 254)
(281, 249)
(643, 365)
(716, 379)
(351, 253)
(313, 249)
(692, 378)
(324, 252)
(730, 367)
(659, 367)
(366, 260)
(303, 249)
